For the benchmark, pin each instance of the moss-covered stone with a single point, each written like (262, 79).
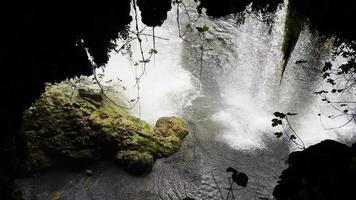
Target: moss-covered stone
(64, 130)
(171, 126)
(135, 161)
(56, 196)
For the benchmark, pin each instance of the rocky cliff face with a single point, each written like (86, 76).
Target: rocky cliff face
(61, 130)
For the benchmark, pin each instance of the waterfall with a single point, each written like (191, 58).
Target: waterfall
(165, 86)
(241, 74)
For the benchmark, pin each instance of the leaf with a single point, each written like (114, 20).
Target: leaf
(188, 26)
(202, 29)
(331, 81)
(291, 114)
(240, 179)
(144, 61)
(153, 51)
(278, 134)
(279, 114)
(321, 92)
(327, 66)
(325, 75)
(276, 122)
(230, 169)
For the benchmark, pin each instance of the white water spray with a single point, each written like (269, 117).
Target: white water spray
(248, 81)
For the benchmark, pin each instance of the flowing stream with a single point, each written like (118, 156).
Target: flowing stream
(228, 110)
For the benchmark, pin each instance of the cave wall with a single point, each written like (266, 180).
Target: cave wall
(41, 42)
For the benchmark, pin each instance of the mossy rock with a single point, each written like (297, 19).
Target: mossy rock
(135, 161)
(171, 126)
(61, 129)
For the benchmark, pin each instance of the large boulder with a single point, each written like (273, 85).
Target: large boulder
(61, 129)
(324, 171)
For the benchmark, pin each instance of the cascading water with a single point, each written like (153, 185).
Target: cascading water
(228, 112)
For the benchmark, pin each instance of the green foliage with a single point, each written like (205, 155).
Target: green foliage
(189, 26)
(202, 29)
(153, 51)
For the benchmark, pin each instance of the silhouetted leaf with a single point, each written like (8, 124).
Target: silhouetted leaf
(240, 179)
(325, 75)
(331, 81)
(276, 122)
(327, 66)
(279, 114)
(230, 169)
(291, 114)
(278, 134)
(144, 61)
(321, 92)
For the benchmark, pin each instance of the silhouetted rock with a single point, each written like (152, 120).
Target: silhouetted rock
(325, 171)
